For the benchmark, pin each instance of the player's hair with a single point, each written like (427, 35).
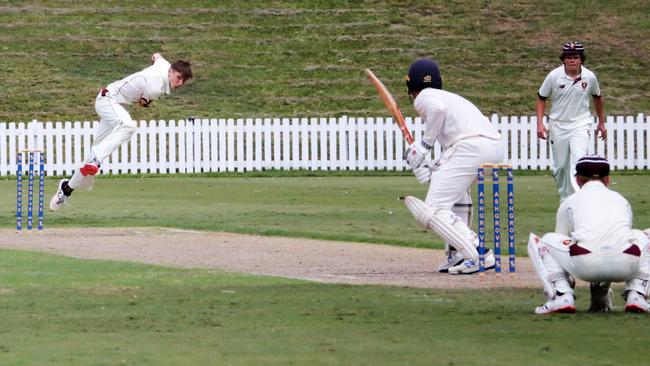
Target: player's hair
(573, 48)
(184, 68)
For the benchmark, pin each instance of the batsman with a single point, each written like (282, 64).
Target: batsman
(468, 140)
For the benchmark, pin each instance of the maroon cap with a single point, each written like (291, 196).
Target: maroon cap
(592, 166)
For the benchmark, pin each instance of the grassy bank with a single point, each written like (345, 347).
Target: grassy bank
(305, 58)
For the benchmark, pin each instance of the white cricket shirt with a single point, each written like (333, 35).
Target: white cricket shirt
(149, 84)
(570, 98)
(450, 118)
(597, 217)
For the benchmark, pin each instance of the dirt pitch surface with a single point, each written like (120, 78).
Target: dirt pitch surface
(314, 260)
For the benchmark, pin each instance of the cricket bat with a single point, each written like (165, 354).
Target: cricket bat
(391, 104)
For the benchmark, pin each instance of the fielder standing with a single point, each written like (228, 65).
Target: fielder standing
(569, 122)
(593, 241)
(115, 125)
(468, 140)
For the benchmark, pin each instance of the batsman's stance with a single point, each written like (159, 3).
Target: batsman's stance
(593, 241)
(468, 140)
(115, 124)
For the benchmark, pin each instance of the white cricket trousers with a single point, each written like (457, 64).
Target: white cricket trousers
(458, 168)
(115, 128)
(449, 190)
(569, 142)
(620, 263)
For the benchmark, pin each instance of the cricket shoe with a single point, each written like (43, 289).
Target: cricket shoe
(59, 199)
(564, 303)
(89, 169)
(601, 297)
(469, 266)
(636, 303)
(454, 258)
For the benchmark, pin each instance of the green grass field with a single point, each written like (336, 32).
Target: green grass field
(64, 311)
(306, 58)
(355, 208)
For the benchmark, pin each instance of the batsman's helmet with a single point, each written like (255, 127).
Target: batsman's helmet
(422, 74)
(573, 48)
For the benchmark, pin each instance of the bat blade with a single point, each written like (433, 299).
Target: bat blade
(391, 104)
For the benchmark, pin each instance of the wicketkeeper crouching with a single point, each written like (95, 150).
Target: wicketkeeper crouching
(593, 241)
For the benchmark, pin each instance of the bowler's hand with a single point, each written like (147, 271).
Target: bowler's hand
(155, 56)
(601, 131)
(144, 103)
(542, 131)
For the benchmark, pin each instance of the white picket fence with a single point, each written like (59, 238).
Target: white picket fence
(240, 145)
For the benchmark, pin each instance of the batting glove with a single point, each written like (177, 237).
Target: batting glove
(415, 154)
(423, 173)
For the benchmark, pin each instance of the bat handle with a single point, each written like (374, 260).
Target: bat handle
(407, 135)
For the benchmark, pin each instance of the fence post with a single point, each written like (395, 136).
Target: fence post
(344, 143)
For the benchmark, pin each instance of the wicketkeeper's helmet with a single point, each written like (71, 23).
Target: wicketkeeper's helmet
(423, 74)
(573, 48)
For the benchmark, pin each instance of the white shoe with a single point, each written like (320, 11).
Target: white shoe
(454, 258)
(469, 266)
(59, 199)
(601, 297)
(564, 303)
(636, 303)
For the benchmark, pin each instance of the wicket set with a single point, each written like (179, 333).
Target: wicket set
(30, 188)
(496, 216)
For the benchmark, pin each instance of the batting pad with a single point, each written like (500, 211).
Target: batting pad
(534, 243)
(446, 224)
